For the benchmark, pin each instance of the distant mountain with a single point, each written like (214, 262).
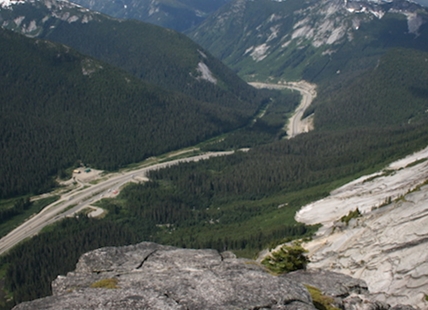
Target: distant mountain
(157, 55)
(179, 15)
(313, 40)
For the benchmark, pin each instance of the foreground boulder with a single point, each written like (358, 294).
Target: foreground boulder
(152, 276)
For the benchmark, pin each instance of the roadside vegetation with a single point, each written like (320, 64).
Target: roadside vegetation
(53, 117)
(242, 202)
(15, 211)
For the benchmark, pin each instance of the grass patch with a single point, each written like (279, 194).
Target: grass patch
(351, 215)
(15, 221)
(321, 301)
(417, 162)
(86, 211)
(68, 208)
(110, 283)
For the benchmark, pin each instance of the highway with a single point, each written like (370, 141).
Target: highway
(74, 201)
(296, 124)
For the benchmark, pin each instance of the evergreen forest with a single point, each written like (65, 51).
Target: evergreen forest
(145, 97)
(59, 108)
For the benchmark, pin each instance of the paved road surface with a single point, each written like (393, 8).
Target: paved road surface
(78, 200)
(296, 125)
(75, 201)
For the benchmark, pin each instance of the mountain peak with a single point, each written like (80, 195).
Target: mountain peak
(7, 3)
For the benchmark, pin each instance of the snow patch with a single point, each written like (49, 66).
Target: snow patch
(86, 19)
(336, 35)
(206, 73)
(284, 45)
(248, 50)
(7, 3)
(274, 33)
(274, 17)
(414, 22)
(301, 32)
(259, 53)
(89, 66)
(378, 14)
(202, 54)
(73, 19)
(18, 20)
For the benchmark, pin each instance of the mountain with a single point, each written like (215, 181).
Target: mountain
(59, 107)
(154, 54)
(394, 93)
(179, 15)
(311, 40)
(378, 244)
(191, 85)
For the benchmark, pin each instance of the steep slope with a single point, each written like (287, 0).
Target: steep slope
(385, 245)
(160, 56)
(393, 93)
(58, 107)
(179, 15)
(313, 40)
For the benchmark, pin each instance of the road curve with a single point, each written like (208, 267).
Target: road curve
(72, 202)
(296, 124)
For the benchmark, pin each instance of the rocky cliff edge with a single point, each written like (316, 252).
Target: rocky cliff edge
(152, 276)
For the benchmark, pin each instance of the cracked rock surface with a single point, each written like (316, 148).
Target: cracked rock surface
(387, 246)
(152, 276)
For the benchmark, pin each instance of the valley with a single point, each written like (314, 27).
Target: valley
(72, 202)
(109, 185)
(236, 126)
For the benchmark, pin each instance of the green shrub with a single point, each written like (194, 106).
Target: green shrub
(320, 301)
(286, 259)
(351, 215)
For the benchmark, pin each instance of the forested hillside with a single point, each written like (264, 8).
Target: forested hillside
(242, 202)
(58, 107)
(157, 55)
(394, 93)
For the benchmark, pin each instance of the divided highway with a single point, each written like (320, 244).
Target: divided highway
(72, 202)
(296, 124)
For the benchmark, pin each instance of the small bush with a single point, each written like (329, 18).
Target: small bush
(287, 259)
(351, 215)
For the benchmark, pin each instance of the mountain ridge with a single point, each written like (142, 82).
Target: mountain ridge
(312, 39)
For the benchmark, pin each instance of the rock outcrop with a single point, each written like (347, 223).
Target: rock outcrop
(386, 246)
(153, 276)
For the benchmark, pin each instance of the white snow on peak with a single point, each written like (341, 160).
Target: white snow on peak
(7, 3)
(259, 53)
(206, 73)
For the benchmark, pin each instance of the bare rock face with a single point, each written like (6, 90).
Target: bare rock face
(386, 246)
(152, 276)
